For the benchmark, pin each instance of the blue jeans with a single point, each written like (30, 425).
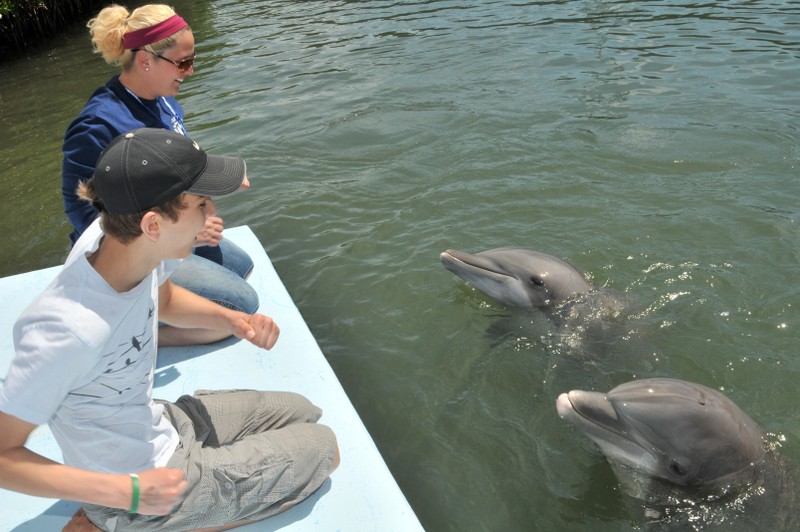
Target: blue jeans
(218, 273)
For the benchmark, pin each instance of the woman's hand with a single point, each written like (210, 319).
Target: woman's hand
(211, 233)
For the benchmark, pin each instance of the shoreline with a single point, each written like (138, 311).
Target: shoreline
(25, 23)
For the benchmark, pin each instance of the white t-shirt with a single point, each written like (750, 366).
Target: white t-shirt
(84, 362)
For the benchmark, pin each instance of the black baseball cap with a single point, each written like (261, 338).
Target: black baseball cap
(146, 167)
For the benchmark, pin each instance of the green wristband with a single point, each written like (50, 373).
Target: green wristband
(135, 498)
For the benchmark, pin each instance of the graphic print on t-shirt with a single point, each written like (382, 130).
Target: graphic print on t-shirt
(127, 367)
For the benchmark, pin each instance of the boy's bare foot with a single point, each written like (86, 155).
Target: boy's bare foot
(80, 523)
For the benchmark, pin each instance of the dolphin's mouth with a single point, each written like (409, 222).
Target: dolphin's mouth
(457, 261)
(597, 418)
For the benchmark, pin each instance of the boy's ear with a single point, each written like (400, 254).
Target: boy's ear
(151, 225)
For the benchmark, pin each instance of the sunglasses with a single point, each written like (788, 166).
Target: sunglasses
(183, 65)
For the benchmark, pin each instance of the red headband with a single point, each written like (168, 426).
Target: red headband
(154, 33)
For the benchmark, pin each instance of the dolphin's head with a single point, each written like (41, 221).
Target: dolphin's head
(518, 277)
(679, 432)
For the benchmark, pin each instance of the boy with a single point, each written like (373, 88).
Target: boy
(85, 357)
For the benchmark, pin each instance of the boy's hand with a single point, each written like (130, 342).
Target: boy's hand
(257, 329)
(160, 490)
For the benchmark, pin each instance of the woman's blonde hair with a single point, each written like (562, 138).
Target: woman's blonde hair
(114, 21)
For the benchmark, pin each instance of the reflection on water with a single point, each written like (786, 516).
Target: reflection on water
(654, 145)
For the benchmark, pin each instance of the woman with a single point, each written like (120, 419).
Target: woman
(155, 48)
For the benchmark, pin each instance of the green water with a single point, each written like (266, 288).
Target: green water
(653, 145)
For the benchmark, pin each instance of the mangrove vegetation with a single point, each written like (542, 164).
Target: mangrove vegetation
(25, 23)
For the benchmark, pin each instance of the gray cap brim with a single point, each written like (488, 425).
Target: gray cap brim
(222, 175)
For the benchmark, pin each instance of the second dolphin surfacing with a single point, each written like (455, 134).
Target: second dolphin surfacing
(693, 457)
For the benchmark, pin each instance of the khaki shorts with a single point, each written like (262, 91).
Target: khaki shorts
(245, 454)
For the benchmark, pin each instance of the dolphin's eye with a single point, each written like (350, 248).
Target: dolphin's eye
(677, 468)
(536, 281)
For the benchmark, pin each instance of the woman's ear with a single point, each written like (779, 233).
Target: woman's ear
(151, 226)
(142, 59)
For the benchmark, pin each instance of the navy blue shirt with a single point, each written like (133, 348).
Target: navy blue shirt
(111, 111)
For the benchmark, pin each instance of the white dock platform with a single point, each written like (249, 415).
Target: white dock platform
(361, 495)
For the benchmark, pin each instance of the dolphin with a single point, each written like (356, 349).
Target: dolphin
(674, 443)
(519, 277)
